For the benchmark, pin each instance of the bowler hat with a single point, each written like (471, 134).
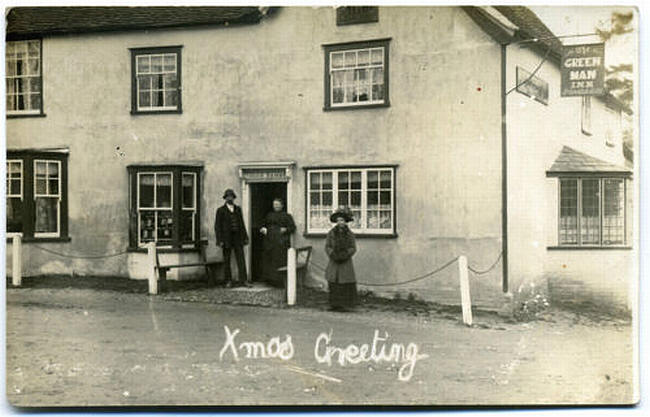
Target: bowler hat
(228, 192)
(343, 212)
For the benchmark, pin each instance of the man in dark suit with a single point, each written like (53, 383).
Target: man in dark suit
(231, 235)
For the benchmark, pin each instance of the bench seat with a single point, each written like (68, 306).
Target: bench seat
(203, 262)
(191, 264)
(299, 265)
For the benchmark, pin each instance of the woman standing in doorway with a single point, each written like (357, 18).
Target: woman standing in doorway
(277, 229)
(340, 246)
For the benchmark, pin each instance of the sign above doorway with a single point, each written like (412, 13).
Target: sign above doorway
(266, 171)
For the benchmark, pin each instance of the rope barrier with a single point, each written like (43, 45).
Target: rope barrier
(485, 271)
(428, 274)
(322, 268)
(388, 284)
(64, 255)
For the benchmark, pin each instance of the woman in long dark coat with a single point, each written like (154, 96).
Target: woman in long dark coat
(340, 246)
(277, 229)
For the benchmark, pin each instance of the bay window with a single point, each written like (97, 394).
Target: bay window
(592, 211)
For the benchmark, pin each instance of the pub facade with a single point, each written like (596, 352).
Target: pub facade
(125, 126)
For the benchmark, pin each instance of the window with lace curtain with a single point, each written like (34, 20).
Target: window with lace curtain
(369, 193)
(23, 77)
(356, 75)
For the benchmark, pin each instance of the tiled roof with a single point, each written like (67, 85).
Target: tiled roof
(38, 21)
(530, 26)
(571, 161)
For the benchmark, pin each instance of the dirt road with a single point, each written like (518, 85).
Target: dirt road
(74, 347)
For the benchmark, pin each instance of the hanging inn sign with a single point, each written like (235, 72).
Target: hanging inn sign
(583, 70)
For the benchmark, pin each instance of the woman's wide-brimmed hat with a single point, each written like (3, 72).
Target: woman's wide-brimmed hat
(228, 192)
(343, 212)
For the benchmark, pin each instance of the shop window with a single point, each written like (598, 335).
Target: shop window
(356, 75)
(164, 205)
(368, 192)
(37, 194)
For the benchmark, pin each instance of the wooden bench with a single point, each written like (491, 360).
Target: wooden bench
(303, 255)
(203, 262)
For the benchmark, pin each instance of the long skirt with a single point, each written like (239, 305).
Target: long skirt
(275, 257)
(342, 296)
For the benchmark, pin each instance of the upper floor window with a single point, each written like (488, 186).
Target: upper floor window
(356, 75)
(368, 192)
(23, 77)
(350, 15)
(37, 198)
(156, 80)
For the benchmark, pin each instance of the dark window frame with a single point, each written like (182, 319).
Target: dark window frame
(41, 112)
(135, 52)
(329, 48)
(177, 200)
(28, 209)
(601, 177)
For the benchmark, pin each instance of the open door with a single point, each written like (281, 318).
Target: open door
(261, 198)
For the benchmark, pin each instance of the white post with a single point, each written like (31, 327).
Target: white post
(153, 271)
(464, 290)
(17, 261)
(291, 276)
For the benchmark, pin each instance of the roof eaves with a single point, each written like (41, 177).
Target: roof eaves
(53, 27)
(502, 34)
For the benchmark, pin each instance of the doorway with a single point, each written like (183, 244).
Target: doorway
(261, 203)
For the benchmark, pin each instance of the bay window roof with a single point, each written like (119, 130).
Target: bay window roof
(572, 162)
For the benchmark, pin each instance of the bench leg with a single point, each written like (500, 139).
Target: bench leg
(209, 277)
(162, 283)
